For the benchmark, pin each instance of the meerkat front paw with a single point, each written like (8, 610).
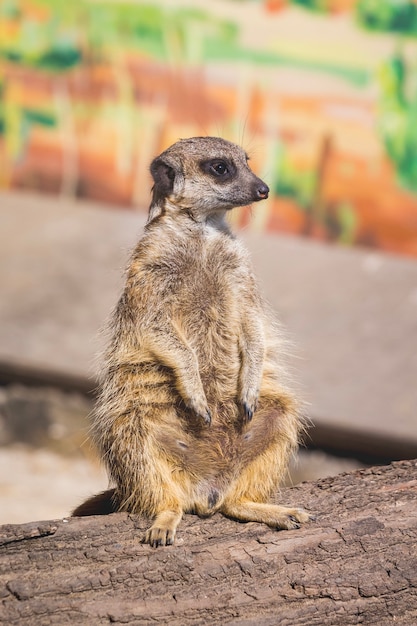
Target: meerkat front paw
(206, 416)
(201, 409)
(249, 404)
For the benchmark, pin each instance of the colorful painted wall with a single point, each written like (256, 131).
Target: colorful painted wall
(321, 93)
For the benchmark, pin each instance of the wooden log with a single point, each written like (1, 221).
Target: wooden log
(356, 564)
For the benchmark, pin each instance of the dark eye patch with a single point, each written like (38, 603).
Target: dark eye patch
(220, 169)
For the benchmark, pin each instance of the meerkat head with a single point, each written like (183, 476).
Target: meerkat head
(204, 176)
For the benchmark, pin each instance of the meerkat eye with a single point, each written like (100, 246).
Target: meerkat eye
(219, 168)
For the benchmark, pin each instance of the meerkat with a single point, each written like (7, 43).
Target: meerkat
(193, 415)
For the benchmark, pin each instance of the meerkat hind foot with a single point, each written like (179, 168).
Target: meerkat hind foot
(163, 530)
(273, 515)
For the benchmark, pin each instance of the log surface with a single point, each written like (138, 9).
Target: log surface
(356, 564)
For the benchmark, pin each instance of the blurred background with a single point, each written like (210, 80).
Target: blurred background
(323, 96)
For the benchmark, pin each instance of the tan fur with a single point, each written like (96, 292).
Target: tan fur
(193, 414)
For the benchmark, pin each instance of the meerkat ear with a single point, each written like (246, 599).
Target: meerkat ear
(163, 175)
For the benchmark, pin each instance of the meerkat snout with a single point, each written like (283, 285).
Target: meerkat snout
(262, 192)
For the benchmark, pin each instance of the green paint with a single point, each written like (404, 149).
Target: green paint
(291, 183)
(183, 35)
(396, 16)
(397, 118)
(35, 116)
(347, 223)
(313, 5)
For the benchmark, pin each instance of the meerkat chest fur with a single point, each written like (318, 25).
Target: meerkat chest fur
(201, 278)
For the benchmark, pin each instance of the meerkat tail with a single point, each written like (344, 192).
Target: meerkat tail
(101, 504)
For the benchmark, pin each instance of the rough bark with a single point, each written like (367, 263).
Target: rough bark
(356, 564)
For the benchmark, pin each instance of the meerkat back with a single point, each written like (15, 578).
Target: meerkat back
(193, 415)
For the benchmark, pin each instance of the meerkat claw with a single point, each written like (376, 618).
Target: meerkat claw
(248, 411)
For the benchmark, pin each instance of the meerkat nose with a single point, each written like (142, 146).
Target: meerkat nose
(262, 191)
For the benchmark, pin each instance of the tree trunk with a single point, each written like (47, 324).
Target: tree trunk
(356, 564)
